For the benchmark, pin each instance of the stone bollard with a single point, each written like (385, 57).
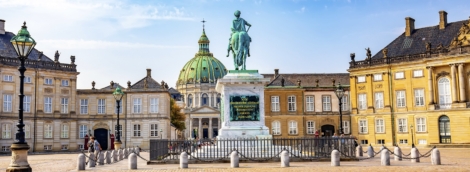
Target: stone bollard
(385, 157)
(114, 156)
(436, 157)
(184, 160)
(370, 151)
(126, 153)
(92, 160)
(359, 152)
(121, 154)
(108, 157)
(414, 155)
(234, 160)
(101, 158)
(81, 162)
(285, 159)
(335, 158)
(132, 161)
(398, 155)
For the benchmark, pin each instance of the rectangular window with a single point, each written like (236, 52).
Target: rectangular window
(8, 78)
(136, 130)
(276, 127)
(48, 81)
(47, 104)
(118, 129)
(275, 104)
(27, 104)
(326, 101)
(6, 131)
(83, 131)
(361, 79)
(421, 124)
(363, 126)
(5, 148)
(310, 103)
(379, 100)
(48, 131)
(362, 102)
(7, 103)
(101, 106)
(310, 127)
(419, 97)
(64, 132)
(120, 108)
(380, 141)
(399, 75)
(404, 141)
(153, 130)
(402, 125)
(379, 126)
(47, 147)
(65, 83)
(83, 106)
(64, 105)
(65, 147)
(418, 73)
(378, 77)
(291, 103)
(346, 128)
(292, 127)
(81, 147)
(154, 105)
(27, 131)
(422, 141)
(137, 105)
(364, 142)
(401, 102)
(27, 79)
(345, 103)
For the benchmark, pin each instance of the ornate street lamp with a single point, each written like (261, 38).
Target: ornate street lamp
(118, 94)
(23, 44)
(340, 93)
(412, 138)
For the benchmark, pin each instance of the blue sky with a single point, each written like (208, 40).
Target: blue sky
(117, 39)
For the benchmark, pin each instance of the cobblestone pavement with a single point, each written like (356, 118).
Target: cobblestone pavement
(452, 160)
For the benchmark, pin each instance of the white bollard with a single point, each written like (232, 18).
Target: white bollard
(108, 157)
(234, 159)
(81, 162)
(101, 158)
(132, 161)
(335, 158)
(414, 155)
(370, 151)
(359, 152)
(385, 157)
(92, 160)
(398, 155)
(285, 159)
(436, 157)
(121, 154)
(184, 160)
(126, 153)
(114, 156)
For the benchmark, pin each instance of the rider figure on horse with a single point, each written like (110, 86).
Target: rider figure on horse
(238, 28)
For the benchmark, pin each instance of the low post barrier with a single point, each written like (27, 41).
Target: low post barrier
(92, 160)
(285, 158)
(184, 160)
(132, 159)
(359, 152)
(100, 158)
(234, 159)
(126, 153)
(107, 157)
(335, 158)
(121, 154)
(436, 157)
(81, 162)
(397, 153)
(414, 155)
(114, 156)
(370, 151)
(385, 157)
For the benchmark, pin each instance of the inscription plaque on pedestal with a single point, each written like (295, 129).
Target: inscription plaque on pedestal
(244, 108)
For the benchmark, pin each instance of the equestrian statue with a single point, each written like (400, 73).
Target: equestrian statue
(239, 41)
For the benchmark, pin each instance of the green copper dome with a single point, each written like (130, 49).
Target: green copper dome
(203, 67)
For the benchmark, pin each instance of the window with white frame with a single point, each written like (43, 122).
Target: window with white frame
(402, 125)
(419, 97)
(291, 103)
(101, 106)
(5, 148)
(64, 105)
(137, 105)
(444, 93)
(8, 78)
(27, 104)
(399, 75)
(27, 79)
(418, 73)
(293, 127)
(7, 98)
(276, 128)
(346, 128)
(83, 129)
(421, 124)
(47, 104)
(361, 79)
(403, 141)
(381, 141)
(47, 147)
(136, 130)
(401, 102)
(48, 131)
(65, 82)
(422, 141)
(275, 104)
(6, 131)
(64, 133)
(378, 77)
(83, 106)
(310, 102)
(65, 147)
(120, 108)
(362, 101)
(363, 126)
(379, 100)
(310, 127)
(326, 101)
(153, 105)
(379, 126)
(27, 131)
(116, 128)
(153, 130)
(48, 81)
(81, 146)
(345, 103)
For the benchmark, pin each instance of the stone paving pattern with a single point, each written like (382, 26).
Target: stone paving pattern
(453, 159)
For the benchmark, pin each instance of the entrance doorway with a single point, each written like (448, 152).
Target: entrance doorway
(205, 133)
(327, 130)
(444, 129)
(101, 135)
(215, 132)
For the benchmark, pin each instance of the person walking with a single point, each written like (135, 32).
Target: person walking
(95, 147)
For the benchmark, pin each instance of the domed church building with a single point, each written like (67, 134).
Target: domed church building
(196, 84)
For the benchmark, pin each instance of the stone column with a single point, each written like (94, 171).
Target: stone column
(209, 95)
(200, 100)
(210, 128)
(430, 85)
(454, 83)
(190, 127)
(199, 130)
(461, 83)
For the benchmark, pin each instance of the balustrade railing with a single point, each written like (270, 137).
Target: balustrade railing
(39, 64)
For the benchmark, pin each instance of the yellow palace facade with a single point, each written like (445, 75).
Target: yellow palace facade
(416, 89)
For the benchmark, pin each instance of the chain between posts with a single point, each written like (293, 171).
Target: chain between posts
(427, 154)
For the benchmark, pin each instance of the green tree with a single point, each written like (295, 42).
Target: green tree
(177, 117)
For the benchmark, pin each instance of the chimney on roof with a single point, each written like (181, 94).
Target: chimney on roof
(442, 19)
(276, 72)
(149, 72)
(410, 26)
(2, 26)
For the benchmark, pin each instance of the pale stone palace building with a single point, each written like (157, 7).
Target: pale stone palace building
(59, 117)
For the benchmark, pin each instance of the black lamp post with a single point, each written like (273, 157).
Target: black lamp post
(23, 44)
(340, 93)
(118, 94)
(412, 138)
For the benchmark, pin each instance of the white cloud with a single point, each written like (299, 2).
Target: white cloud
(302, 10)
(98, 44)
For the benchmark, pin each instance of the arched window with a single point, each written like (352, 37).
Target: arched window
(276, 128)
(293, 127)
(205, 99)
(444, 93)
(444, 129)
(190, 100)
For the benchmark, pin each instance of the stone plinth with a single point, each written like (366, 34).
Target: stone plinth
(19, 158)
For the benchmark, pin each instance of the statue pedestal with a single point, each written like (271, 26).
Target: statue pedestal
(19, 158)
(242, 105)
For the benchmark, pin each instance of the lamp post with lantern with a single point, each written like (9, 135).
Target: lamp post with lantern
(118, 94)
(340, 93)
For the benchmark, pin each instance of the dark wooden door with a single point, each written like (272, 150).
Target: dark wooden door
(101, 135)
(328, 130)
(205, 133)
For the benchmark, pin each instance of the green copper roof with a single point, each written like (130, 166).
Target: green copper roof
(204, 67)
